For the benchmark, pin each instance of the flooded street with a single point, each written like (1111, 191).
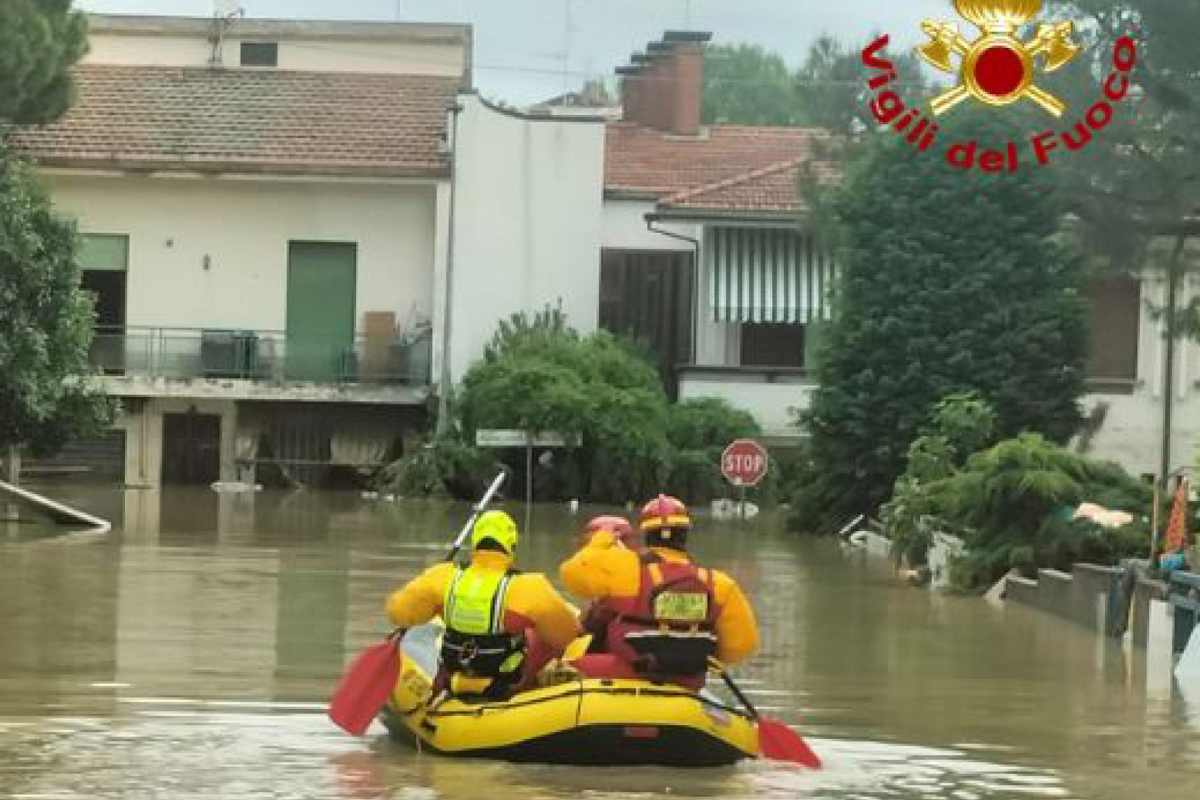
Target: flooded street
(189, 654)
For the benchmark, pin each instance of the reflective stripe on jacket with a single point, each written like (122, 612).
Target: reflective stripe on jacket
(667, 630)
(530, 600)
(603, 570)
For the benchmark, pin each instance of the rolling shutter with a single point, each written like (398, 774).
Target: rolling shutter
(767, 275)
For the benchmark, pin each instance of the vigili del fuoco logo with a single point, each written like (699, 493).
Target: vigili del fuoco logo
(997, 68)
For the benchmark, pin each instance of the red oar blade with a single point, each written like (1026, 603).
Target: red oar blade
(779, 742)
(365, 688)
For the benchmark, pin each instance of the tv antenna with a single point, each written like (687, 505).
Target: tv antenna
(224, 14)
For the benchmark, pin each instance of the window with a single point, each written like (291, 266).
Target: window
(1115, 316)
(104, 259)
(772, 344)
(260, 54)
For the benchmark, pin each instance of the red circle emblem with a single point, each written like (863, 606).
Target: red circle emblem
(999, 71)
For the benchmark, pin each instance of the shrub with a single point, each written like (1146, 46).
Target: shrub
(959, 426)
(439, 468)
(1014, 504)
(538, 374)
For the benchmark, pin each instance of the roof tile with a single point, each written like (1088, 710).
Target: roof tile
(260, 120)
(726, 168)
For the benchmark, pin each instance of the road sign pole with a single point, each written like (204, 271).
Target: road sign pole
(742, 505)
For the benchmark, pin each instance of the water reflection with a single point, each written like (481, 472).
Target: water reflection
(190, 653)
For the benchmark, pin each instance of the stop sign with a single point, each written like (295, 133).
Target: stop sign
(744, 462)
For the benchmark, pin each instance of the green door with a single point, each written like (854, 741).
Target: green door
(320, 310)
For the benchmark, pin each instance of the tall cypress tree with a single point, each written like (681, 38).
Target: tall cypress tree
(951, 281)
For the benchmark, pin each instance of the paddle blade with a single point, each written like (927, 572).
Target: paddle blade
(365, 688)
(779, 742)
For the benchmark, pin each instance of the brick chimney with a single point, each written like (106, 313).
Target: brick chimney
(663, 88)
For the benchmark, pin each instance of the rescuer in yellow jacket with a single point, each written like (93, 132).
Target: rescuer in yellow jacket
(501, 625)
(669, 615)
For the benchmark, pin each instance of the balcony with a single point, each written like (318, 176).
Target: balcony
(259, 364)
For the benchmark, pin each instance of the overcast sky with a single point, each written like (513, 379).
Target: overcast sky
(519, 44)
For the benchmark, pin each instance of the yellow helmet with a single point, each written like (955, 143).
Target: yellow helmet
(497, 526)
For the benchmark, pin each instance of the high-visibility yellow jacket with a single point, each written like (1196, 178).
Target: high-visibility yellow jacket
(531, 602)
(604, 569)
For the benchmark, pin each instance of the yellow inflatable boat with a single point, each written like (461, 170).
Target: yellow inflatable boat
(588, 721)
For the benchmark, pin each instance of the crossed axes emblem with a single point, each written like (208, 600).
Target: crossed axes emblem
(998, 68)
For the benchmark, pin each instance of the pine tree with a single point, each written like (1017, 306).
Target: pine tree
(45, 317)
(40, 40)
(950, 282)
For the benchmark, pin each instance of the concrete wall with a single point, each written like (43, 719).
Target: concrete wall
(409, 57)
(244, 227)
(143, 428)
(1081, 596)
(528, 222)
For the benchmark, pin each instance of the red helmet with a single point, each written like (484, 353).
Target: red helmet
(617, 526)
(664, 512)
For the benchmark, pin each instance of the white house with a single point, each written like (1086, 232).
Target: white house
(297, 231)
(266, 209)
(708, 256)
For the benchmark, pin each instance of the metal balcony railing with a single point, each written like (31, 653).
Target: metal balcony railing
(259, 355)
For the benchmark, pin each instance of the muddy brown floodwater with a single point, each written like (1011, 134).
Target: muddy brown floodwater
(189, 653)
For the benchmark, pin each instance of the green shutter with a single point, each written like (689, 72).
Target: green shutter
(104, 251)
(320, 309)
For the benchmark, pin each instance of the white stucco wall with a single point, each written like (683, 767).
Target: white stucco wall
(625, 228)
(528, 223)
(770, 403)
(244, 228)
(1132, 430)
(320, 55)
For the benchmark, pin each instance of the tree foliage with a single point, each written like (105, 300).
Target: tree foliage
(747, 85)
(831, 90)
(539, 374)
(949, 282)
(1136, 188)
(40, 40)
(46, 324)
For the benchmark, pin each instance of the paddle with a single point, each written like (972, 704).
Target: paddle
(367, 683)
(775, 739)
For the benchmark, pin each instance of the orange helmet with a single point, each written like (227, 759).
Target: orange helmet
(617, 526)
(664, 512)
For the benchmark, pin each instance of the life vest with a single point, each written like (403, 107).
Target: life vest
(667, 632)
(475, 642)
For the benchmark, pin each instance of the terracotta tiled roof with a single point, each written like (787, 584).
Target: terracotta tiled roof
(727, 167)
(171, 118)
(772, 189)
